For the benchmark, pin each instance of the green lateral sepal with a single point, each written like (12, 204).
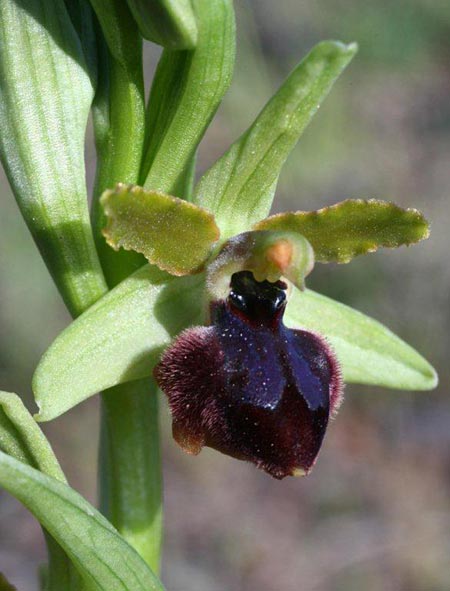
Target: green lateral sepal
(369, 353)
(120, 338)
(117, 340)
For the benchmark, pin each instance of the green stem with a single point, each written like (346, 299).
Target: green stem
(129, 458)
(130, 466)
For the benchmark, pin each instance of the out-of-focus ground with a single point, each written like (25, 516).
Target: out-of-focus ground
(375, 513)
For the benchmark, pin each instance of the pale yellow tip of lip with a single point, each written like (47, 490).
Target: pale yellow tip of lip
(299, 472)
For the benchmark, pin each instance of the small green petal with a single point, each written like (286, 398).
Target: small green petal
(353, 227)
(369, 352)
(171, 233)
(239, 188)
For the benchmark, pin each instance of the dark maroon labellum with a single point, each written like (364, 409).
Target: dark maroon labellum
(250, 387)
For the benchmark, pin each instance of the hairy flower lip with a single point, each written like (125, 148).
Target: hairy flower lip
(248, 386)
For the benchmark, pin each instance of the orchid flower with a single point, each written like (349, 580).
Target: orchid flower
(194, 287)
(245, 384)
(236, 377)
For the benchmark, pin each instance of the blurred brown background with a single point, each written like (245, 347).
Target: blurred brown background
(374, 514)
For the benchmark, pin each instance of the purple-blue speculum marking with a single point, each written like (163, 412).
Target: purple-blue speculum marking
(249, 386)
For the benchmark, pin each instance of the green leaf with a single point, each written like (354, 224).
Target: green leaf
(171, 233)
(187, 89)
(119, 339)
(59, 573)
(83, 20)
(351, 228)
(4, 585)
(369, 352)
(22, 438)
(240, 186)
(105, 561)
(170, 23)
(45, 97)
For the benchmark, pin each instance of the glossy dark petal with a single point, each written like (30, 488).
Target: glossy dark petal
(250, 387)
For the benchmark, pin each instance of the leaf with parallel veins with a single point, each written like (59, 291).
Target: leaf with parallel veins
(102, 557)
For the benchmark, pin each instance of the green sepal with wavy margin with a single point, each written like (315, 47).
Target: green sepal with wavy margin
(187, 89)
(352, 228)
(118, 339)
(45, 99)
(369, 352)
(121, 337)
(173, 234)
(239, 188)
(170, 23)
(100, 554)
